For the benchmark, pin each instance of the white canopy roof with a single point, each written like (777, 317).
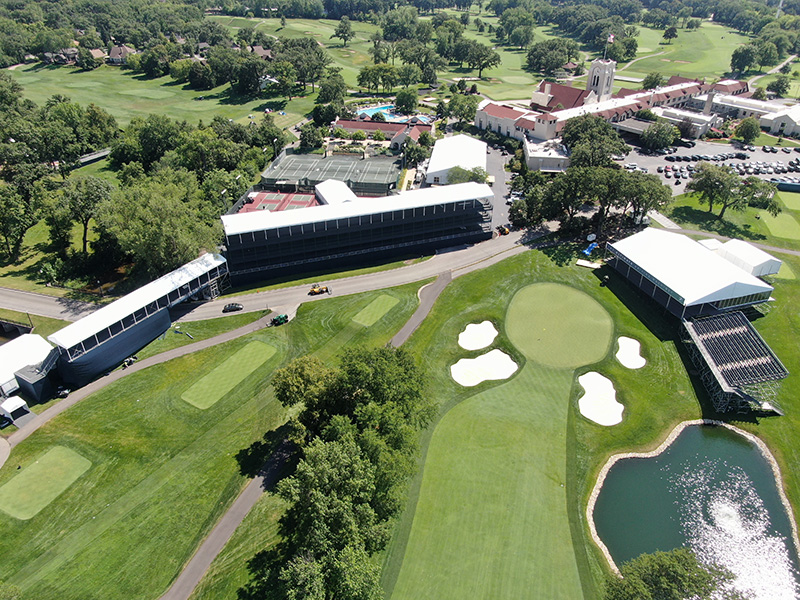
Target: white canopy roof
(80, 330)
(457, 151)
(27, 349)
(749, 258)
(13, 403)
(694, 273)
(262, 220)
(333, 191)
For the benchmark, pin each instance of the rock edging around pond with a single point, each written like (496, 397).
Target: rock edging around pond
(776, 472)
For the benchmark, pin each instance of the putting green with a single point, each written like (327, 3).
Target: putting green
(558, 326)
(791, 200)
(206, 391)
(491, 520)
(373, 311)
(783, 226)
(39, 484)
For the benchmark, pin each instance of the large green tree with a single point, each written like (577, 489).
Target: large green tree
(718, 186)
(592, 141)
(675, 575)
(659, 135)
(344, 30)
(84, 195)
(748, 130)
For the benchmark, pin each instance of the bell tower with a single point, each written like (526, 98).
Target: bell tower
(601, 78)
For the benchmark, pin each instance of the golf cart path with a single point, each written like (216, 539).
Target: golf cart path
(772, 71)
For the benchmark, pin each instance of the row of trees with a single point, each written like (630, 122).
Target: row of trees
(357, 435)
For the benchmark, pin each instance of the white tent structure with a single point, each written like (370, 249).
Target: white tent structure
(333, 191)
(456, 151)
(25, 350)
(683, 275)
(13, 408)
(749, 258)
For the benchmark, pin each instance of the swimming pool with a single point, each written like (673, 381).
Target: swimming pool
(390, 115)
(386, 110)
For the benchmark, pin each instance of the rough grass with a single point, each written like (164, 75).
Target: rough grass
(41, 482)
(42, 326)
(209, 389)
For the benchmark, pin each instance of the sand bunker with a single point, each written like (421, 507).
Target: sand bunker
(477, 335)
(493, 365)
(599, 403)
(629, 353)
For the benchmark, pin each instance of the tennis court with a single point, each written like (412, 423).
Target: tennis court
(276, 201)
(375, 176)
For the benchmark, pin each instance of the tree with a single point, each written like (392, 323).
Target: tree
(641, 193)
(759, 94)
(592, 141)
(406, 101)
(748, 130)
(463, 108)
(780, 85)
(717, 185)
(659, 135)
(332, 89)
(744, 58)
(344, 30)
(286, 76)
(86, 61)
(482, 57)
(160, 223)
(693, 24)
(684, 14)
(408, 75)
(179, 70)
(652, 81)
(670, 33)
(462, 175)
(767, 54)
(311, 136)
(19, 215)
(249, 75)
(673, 575)
(414, 153)
(84, 195)
(759, 193)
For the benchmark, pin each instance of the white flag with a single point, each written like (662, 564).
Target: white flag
(611, 38)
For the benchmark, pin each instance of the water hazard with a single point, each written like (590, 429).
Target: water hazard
(712, 491)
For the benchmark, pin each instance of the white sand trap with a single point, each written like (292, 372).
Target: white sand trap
(477, 335)
(599, 403)
(493, 365)
(629, 353)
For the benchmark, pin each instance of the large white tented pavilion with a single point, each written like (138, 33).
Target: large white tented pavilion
(683, 275)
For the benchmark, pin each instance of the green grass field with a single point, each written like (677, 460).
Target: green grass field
(791, 200)
(782, 226)
(558, 326)
(42, 482)
(209, 389)
(370, 314)
(42, 326)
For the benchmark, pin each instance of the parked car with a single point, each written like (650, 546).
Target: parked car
(232, 307)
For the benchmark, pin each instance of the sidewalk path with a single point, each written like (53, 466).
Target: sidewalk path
(772, 71)
(662, 220)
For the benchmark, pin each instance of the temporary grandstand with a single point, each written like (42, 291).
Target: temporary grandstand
(684, 276)
(737, 367)
(264, 243)
(16, 357)
(104, 338)
(301, 172)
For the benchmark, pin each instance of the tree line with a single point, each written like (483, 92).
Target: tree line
(356, 434)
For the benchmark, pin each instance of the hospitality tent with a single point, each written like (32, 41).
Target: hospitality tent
(749, 258)
(25, 350)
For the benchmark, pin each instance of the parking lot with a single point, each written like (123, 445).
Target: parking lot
(764, 164)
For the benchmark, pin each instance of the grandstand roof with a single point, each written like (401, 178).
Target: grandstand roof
(694, 274)
(76, 332)
(735, 351)
(262, 220)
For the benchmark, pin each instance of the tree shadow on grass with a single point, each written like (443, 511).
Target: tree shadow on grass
(702, 219)
(565, 253)
(253, 459)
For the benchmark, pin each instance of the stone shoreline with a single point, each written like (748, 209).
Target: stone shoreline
(776, 472)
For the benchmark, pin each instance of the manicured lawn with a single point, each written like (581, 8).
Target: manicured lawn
(790, 199)
(162, 471)
(42, 326)
(513, 444)
(39, 484)
(764, 139)
(370, 314)
(209, 389)
(783, 226)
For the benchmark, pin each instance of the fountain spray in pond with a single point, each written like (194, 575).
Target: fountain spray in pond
(725, 522)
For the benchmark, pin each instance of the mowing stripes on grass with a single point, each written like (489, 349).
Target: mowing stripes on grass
(373, 311)
(558, 326)
(39, 484)
(205, 392)
(783, 226)
(790, 199)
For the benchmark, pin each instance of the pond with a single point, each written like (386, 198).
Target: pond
(713, 491)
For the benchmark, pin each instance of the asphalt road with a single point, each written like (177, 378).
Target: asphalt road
(44, 306)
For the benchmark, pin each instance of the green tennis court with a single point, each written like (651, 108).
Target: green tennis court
(208, 390)
(39, 484)
(558, 326)
(373, 311)
(783, 226)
